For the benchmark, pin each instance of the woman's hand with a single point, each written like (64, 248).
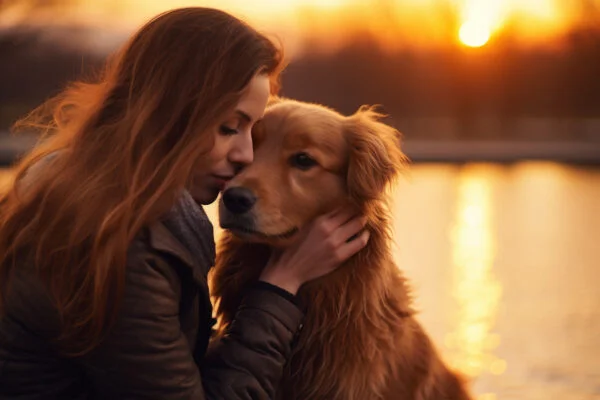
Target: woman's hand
(321, 247)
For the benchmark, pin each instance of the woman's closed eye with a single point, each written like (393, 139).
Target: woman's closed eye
(227, 130)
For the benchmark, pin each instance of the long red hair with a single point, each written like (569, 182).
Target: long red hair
(115, 154)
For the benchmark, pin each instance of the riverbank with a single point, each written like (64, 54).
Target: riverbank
(420, 151)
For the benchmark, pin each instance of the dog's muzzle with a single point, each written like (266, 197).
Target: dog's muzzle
(235, 209)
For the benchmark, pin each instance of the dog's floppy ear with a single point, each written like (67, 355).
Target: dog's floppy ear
(375, 157)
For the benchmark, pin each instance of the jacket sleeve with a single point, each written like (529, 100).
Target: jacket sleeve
(247, 362)
(146, 355)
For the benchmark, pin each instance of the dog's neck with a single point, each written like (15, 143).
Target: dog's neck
(356, 308)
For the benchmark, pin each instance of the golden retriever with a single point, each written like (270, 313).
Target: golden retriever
(360, 339)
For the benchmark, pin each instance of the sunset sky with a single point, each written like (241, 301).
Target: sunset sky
(417, 23)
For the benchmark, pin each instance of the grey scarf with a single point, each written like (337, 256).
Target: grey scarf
(188, 222)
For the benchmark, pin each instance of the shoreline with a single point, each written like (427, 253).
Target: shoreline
(425, 151)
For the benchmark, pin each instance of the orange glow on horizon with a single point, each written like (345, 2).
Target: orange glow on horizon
(532, 19)
(396, 23)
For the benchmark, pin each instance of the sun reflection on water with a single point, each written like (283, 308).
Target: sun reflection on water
(471, 342)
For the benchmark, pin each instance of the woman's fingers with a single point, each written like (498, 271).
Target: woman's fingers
(349, 230)
(340, 216)
(352, 247)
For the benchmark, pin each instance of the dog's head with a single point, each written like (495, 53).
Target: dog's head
(308, 161)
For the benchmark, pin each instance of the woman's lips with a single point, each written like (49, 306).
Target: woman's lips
(221, 181)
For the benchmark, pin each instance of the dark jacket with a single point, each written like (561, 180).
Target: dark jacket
(158, 347)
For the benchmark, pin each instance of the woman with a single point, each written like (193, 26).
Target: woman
(105, 249)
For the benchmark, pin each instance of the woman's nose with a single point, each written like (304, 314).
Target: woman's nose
(242, 151)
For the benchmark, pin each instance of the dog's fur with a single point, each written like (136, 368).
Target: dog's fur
(360, 339)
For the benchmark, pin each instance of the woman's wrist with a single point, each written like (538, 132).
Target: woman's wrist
(286, 283)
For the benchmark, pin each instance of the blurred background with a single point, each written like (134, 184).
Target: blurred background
(497, 222)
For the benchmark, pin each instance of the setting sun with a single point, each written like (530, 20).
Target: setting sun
(480, 20)
(473, 34)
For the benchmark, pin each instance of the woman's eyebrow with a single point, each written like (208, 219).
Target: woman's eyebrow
(243, 115)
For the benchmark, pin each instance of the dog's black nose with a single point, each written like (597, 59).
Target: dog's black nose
(238, 200)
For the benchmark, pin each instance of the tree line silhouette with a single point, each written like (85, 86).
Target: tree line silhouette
(503, 80)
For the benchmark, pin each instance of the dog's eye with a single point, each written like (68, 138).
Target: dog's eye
(302, 161)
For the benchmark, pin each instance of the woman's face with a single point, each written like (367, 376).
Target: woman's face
(232, 149)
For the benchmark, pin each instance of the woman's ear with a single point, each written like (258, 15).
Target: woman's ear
(375, 157)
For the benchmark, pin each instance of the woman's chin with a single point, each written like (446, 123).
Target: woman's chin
(205, 196)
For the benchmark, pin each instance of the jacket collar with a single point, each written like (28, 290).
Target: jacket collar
(162, 240)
